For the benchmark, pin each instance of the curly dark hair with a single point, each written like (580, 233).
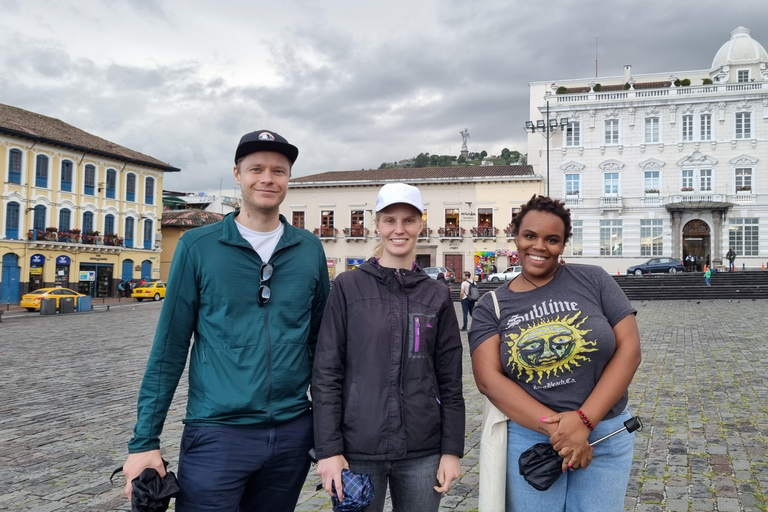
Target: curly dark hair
(543, 204)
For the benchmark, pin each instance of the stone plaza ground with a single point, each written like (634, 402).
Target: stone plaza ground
(68, 387)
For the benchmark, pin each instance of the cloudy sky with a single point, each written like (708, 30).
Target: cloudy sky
(351, 83)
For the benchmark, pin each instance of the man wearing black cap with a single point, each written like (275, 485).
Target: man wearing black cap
(251, 289)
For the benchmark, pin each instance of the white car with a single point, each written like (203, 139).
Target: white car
(507, 275)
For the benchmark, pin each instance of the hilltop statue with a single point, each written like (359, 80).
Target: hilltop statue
(464, 136)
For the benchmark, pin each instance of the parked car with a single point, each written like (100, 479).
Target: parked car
(507, 275)
(657, 266)
(31, 300)
(432, 272)
(154, 290)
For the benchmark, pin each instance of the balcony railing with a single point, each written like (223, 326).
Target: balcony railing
(640, 93)
(425, 233)
(572, 201)
(697, 197)
(356, 233)
(484, 232)
(611, 202)
(326, 233)
(450, 232)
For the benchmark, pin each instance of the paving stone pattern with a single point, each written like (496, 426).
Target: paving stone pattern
(68, 387)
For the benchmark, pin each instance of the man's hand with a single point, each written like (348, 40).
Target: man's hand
(138, 462)
(329, 470)
(448, 471)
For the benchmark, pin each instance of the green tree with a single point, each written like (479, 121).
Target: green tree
(505, 154)
(514, 156)
(462, 160)
(444, 161)
(383, 165)
(422, 160)
(483, 154)
(434, 159)
(523, 159)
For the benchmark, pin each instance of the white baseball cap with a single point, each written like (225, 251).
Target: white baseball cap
(393, 193)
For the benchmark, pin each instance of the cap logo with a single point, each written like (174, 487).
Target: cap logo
(266, 136)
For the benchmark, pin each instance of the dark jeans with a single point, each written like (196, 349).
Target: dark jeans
(467, 306)
(411, 483)
(230, 469)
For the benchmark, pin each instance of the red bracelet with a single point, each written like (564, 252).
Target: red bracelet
(585, 420)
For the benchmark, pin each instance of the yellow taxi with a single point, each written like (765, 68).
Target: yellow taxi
(31, 300)
(154, 290)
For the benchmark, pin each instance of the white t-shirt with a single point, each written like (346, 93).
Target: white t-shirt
(263, 243)
(464, 289)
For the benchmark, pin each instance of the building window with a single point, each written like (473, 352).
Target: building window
(128, 238)
(38, 222)
(572, 184)
(687, 176)
(743, 179)
(743, 236)
(610, 238)
(14, 166)
(90, 180)
(651, 240)
(424, 230)
(109, 225)
(149, 191)
(687, 125)
(652, 129)
(147, 234)
(705, 180)
(87, 223)
(575, 245)
(12, 221)
(357, 223)
(611, 182)
(652, 182)
(452, 225)
(65, 220)
(327, 227)
(111, 183)
(742, 76)
(611, 131)
(705, 126)
(298, 220)
(130, 188)
(41, 171)
(743, 125)
(573, 134)
(66, 176)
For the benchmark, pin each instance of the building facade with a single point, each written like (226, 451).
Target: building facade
(662, 164)
(77, 211)
(467, 213)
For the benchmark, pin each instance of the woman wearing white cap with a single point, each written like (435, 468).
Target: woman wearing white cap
(386, 386)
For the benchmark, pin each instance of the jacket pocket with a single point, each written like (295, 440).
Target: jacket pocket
(422, 331)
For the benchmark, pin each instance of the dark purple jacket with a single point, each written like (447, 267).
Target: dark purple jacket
(386, 382)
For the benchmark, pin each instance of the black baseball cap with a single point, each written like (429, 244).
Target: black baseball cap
(265, 140)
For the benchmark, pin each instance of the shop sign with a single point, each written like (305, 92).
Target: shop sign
(36, 271)
(453, 244)
(36, 260)
(354, 262)
(88, 275)
(63, 261)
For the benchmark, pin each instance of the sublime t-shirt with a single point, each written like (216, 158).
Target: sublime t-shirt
(556, 339)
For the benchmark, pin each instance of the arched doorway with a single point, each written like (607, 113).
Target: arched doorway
(696, 241)
(10, 281)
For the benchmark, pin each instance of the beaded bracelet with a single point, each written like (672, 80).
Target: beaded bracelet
(585, 420)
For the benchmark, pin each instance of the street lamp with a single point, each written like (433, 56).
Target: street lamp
(546, 128)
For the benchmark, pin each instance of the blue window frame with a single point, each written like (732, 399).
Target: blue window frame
(130, 187)
(111, 183)
(66, 176)
(109, 224)
(41, 171)
(12, 221)
(65, 220)
(87, 223)
(147, 234)
(89, 183)
(38, 224)
(128, 238)
(14, 166)
(149, 191)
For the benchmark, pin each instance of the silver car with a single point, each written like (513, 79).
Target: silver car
(507, 275)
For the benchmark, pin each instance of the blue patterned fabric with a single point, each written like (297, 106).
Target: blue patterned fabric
(358, 492)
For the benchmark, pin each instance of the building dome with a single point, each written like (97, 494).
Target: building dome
(739, 50)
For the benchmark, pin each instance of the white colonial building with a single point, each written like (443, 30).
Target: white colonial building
(661, 164)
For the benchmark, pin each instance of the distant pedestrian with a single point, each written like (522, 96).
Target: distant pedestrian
(467, 303)
(731, 257)
(707, 275)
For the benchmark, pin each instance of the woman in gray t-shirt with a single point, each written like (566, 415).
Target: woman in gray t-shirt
(557, 357)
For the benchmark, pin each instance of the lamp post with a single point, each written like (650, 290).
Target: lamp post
(546, 128)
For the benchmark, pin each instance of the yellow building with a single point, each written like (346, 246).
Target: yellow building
(174, 224)
(77, 211)
(467, 213)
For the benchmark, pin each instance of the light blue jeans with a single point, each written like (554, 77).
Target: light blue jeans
(600, 486)
(411, 483)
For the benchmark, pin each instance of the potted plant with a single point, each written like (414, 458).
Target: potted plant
(74, 235)
(745, 188)
(687, 189)
(651, 191)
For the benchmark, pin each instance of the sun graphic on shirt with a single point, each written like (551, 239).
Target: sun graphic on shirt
(549, 347)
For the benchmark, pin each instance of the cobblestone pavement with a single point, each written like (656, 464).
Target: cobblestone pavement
(68, 388)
